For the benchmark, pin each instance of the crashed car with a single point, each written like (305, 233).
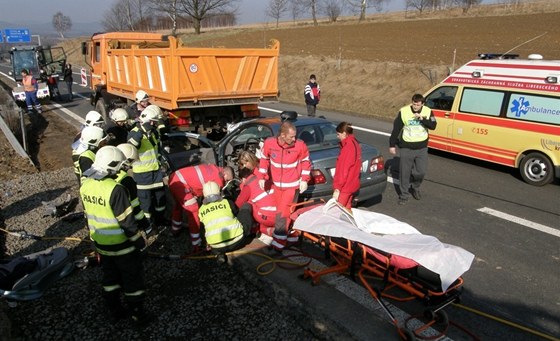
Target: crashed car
(182, 149)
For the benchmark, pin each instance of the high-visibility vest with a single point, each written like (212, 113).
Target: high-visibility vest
(28, 85)
(221, 226)
(413, 130)
(147, 154)
(103, 225)
(76, 157)
(134, 202)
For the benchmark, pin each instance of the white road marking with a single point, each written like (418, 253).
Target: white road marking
(520, 221)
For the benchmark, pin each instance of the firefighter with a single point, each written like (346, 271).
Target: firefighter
(186, 185)
(263, 203)
(84, 155)
(30, 86)
(226, 228)
(142, 100)
(93, 119)
(287, 160)
(131, 154)
(114, 230)
(117, 129)
(147, 170)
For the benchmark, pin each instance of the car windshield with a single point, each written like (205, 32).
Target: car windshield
(318, 136)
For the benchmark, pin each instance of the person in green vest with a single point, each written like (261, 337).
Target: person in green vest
(226, 228)
(117, 238)
(83, 155)
(410, 134)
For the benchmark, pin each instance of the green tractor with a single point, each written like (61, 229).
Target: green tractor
(43, 63)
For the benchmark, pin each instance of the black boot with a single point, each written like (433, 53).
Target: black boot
(140, 318)
(116, 311)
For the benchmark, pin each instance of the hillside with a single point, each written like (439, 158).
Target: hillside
(372, 68)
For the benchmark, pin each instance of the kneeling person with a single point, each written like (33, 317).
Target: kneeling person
(226, 228)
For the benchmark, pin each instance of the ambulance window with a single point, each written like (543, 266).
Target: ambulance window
(442, 98)
(534, 108)
(483, 102)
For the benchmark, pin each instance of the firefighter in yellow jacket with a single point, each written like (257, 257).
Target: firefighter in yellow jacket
(225, 227)
(118, 241)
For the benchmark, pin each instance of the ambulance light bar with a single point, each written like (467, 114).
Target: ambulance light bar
(477, 73)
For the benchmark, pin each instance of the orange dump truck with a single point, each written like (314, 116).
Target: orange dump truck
(198, 87)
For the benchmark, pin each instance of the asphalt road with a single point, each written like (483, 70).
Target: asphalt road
(512, 228)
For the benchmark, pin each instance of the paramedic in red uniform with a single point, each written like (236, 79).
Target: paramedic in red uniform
(287, 160)
(263, 203)
(346, 180)
(186, 186)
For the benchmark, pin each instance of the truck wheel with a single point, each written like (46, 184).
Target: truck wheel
(536, 169)
(101, 108)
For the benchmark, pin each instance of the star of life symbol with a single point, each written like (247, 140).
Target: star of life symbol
(520, 106)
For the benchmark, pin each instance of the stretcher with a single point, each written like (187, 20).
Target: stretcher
(389, 257)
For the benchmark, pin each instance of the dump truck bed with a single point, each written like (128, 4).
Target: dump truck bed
(186, 77)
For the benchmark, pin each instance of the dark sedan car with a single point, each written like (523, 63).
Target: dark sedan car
(186, 149)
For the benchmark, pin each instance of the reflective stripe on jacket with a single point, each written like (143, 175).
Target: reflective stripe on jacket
(104, 226)
(288, 164)
(221, 226)
(147, 152)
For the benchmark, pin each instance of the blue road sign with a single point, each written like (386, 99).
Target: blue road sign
(1, 37)
(17, 35)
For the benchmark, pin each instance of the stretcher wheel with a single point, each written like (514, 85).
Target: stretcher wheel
(442, 318)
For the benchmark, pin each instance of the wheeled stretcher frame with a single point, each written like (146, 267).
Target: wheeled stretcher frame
(369, 264)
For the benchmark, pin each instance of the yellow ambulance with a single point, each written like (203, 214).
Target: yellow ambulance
(504, 110)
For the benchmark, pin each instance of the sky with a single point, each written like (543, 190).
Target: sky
(87, 11)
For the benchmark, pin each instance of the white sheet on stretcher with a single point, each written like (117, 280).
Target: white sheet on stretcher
(385, 233)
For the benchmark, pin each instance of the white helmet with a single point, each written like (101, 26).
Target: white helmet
(149, 114)
(92, 136)
(109, 159)
(119, 115)
(156, 109)
(93, 118)
(141, 95)
(130, 152)
(210, 188)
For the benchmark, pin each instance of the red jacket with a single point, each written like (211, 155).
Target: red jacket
(348, 166)
(251, 192)
(191, 179)
(288, 164)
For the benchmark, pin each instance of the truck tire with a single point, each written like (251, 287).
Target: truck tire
(536, 169)
(101, 108)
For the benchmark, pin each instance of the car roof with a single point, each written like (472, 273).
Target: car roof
(275, 122)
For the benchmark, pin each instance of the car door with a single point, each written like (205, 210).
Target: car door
(244, 137)
(442, 102)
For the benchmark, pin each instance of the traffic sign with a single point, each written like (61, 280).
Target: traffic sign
(1, 37)
(17, 35)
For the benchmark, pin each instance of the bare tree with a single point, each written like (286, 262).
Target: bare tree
(61, 23)
(276, 9)
(332, 9)
(467, 4)
(312, 5)
(296, 9)
(420, 5)
(199, 10)
(361, 6)
(170, 9)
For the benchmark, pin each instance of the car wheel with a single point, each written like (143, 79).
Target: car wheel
(536, 169)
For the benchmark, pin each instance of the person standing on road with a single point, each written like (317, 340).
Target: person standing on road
(118, 241)
(410, 134)
(147, 170)
(30, 87)
(312, 94)
(117, 128)
(346, 181)
(69, 80)
(287, 160)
